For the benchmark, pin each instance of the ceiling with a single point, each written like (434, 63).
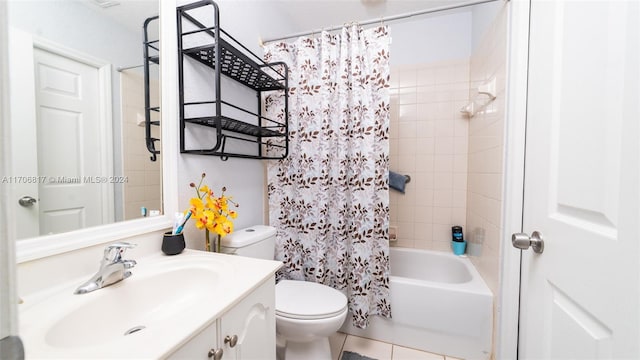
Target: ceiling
(304, 15)
(308, 15)
(129, 13)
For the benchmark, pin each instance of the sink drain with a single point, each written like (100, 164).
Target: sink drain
(134, 329)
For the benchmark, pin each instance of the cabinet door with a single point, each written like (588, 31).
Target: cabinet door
(253, 322)
(198, 347)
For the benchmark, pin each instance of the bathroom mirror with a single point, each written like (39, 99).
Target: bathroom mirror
(78, 149)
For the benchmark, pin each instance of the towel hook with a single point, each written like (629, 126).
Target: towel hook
(407, 179)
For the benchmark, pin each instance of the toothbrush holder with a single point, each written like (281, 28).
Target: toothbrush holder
(172, 244)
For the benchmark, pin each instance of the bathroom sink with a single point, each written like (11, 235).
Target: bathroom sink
(133, 306)
(166, 301)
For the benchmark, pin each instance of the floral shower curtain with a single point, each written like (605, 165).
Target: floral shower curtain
(329, 199)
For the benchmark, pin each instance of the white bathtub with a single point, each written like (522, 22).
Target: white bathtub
(439, 303)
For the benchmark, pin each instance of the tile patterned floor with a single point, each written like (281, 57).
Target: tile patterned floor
(377, 349)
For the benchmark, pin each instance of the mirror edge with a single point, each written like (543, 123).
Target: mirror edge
(8, 306)
(44, 246)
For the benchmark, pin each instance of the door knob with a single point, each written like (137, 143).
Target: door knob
(27, 201)
(231, 340)
(215, 354)
(523, 241)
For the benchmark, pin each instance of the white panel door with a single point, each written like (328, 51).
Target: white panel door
(581, 297)
(68, 133)
(24, 142)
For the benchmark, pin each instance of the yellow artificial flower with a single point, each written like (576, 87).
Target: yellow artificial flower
(212, 213)
(196, 204)
(227, 227)
(205, 190)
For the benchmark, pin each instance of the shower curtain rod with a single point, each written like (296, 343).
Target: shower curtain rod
(383, 19)
(123, 68)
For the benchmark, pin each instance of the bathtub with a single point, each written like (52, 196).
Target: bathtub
(439, 303)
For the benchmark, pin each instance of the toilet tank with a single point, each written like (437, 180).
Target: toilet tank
(257, 241)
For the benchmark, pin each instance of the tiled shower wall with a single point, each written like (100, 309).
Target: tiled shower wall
(428, 142)
(455, 162)
(486, 148)
(143, 186)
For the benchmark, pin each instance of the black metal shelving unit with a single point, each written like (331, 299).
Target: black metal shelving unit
(225, 56)
(151, 54)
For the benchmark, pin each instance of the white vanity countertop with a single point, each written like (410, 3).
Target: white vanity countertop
(173, 297)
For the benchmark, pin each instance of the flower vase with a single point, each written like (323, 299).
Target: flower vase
(208, 245)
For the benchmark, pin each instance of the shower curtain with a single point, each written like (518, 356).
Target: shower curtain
(329, 199)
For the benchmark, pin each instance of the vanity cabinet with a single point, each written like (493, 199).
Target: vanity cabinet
(199, 346)
(246, 331)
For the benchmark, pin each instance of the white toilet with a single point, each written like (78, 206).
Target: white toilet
(306, 313)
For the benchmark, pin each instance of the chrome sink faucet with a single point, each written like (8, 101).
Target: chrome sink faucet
(112, 268)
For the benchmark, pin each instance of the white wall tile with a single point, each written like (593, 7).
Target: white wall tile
(134, 193)
(442, 233)
(442, 216)
(459, 199)
(443, 181)
(423, 234)
(425, 128)
(444, 127)
(406, 200)
(427, 111)
(426, 76)
(406, 214)
(394, 160)
(408, 112)
(424, 213)
(407, 146)
(460, 164)
(424, 163)
(460, 182)
(485, 154)
(426, 146)
(406, 163)
(408, 78)
(444, 109)
(442, 197)
(426, 95)
(394, 80)
(444, 145)
(443, 164)
(459, 216)
(407, 95)
(423, 180)
(405, 230)
(460, 145)
(429, 141)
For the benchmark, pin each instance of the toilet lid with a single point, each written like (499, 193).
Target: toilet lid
(307, 300)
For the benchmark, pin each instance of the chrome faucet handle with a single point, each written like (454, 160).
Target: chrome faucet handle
(113, 252)
(128, 264)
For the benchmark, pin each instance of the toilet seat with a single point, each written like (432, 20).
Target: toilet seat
(308, 301)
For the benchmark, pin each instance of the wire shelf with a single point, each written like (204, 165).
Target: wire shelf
(234, 61)
(235, 126)
(236, 66)
(148, 48)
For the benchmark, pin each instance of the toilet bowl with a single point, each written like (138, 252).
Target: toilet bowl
(306, 313)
